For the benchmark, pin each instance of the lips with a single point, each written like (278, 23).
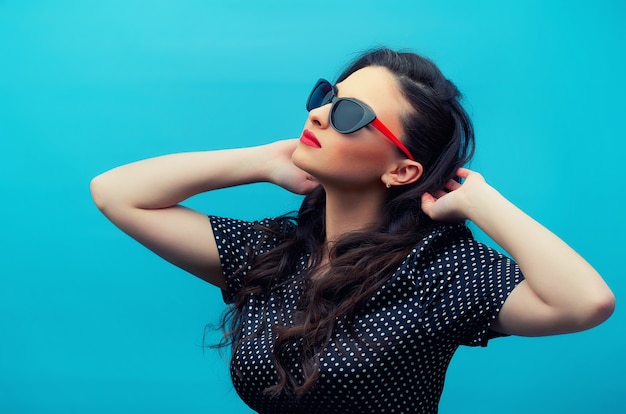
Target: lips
(309, 139)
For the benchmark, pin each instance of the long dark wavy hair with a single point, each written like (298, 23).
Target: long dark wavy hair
(439, 134)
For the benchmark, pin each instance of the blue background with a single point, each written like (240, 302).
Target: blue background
(92, 322)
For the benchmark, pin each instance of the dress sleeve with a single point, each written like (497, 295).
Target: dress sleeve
(238, 242)
(488, 282)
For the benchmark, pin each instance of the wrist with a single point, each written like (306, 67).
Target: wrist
(276, 159)
(263, 160)
(479, 203)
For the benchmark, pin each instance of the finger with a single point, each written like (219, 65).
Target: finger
(452, 185)
(463, 172)
(429, 199)
(427, 202)
(307, 188)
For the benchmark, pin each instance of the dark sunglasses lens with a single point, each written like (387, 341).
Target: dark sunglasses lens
(321, 95)
(346, 116)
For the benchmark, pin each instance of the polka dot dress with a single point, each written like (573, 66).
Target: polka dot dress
(446, 293)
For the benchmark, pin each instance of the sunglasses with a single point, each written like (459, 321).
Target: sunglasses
(348, 115)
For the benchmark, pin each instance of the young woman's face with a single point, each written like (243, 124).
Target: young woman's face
(360, 158)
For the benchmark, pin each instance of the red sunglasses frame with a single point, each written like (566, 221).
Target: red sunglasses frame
(369, 117)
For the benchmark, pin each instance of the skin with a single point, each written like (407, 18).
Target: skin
(561, 293)
(355, 168)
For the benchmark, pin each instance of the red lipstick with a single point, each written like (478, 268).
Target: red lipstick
(309, 139)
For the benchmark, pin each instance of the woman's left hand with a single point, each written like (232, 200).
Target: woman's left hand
(561, 291)
(453, 203)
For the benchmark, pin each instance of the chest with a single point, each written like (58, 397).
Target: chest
(390, 350)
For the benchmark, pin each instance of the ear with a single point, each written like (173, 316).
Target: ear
(404, 172)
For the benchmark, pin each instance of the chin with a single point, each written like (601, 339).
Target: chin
(306, 164)
(300, 159)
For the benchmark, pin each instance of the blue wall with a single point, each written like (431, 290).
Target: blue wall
(92, 322)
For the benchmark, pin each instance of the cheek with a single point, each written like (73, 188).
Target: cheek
(370, 151)
(352, 160)
(358, 157)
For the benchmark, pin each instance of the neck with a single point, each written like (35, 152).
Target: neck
(351, 210)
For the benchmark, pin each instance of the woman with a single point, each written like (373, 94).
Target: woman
(357, 304)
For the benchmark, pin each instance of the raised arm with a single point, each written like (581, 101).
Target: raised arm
(561, 292)
(142, 198)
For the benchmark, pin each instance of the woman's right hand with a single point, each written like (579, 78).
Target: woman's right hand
(142, 198)
(284, 173)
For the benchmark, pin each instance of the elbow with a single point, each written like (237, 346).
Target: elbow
(102, 192)
(97, 192)
(605, 307)
(598, 310)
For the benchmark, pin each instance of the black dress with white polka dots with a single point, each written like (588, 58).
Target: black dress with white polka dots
(446, 293)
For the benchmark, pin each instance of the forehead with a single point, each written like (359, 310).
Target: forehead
(378, 88)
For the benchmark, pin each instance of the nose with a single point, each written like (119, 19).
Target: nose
(320, 116)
